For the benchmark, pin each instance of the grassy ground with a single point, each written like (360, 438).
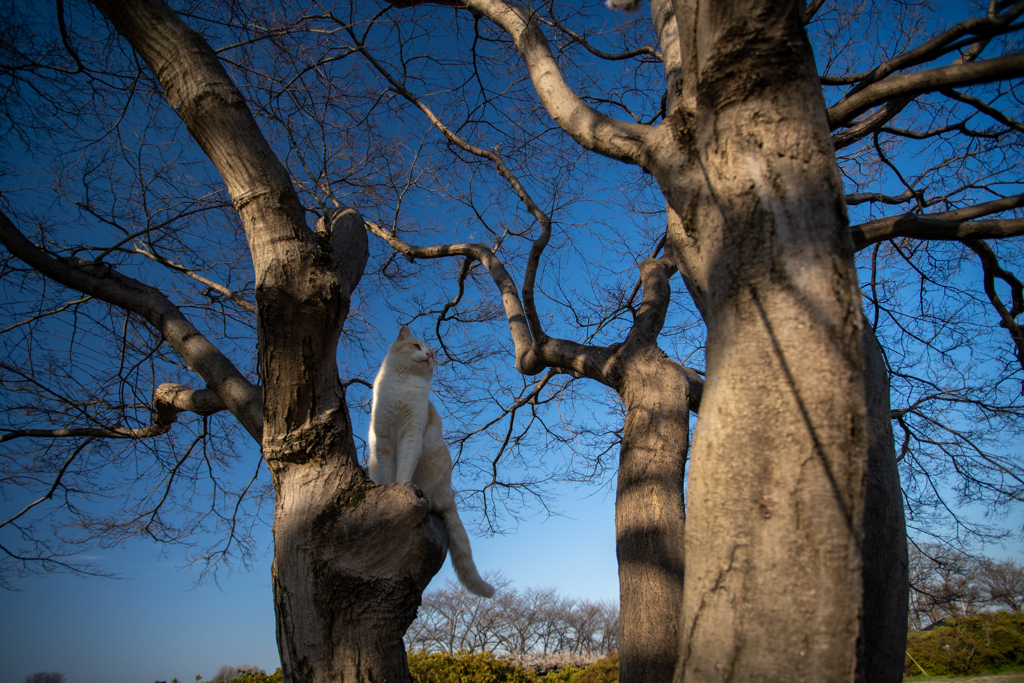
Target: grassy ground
(1005, 677)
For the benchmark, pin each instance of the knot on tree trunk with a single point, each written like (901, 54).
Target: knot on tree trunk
(345, 231)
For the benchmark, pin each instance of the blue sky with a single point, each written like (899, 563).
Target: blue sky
(153, 625)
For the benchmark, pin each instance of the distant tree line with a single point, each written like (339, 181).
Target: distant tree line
(523, 624)
(947, 583)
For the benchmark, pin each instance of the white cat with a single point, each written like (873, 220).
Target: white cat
(406, 444)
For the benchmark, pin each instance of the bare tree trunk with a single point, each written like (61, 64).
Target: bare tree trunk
(351, 561)
(650, 516)
(776, 496)
(886, 565)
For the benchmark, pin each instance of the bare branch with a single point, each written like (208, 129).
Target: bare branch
(984, 108)
(919, 82)
(948, 225)
(168, 401)
(812, 9)
(216, 286)
(99, 280)
(864, 197)
(872, 123)
(627, 142)
(944, 43)
(600, 54)
(992, 270)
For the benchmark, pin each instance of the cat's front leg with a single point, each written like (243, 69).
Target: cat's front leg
(410, 443)
(409, 450)
(382, 462)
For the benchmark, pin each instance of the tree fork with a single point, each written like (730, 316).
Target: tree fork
(350, 559)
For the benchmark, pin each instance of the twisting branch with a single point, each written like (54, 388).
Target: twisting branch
(169, 400)
(629, 142)
(532, 318)
(535, 350)
(526, 359)
(992, 269)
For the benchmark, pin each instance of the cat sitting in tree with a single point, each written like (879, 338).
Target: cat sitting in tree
(406, 444)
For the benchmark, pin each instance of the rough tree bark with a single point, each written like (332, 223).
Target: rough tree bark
(650, 515)
(885, 584)
(351, 559)
(886, 565)
(776, 498)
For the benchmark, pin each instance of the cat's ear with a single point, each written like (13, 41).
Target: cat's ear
(404, 333)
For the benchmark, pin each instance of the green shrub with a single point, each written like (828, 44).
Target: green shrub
(249, 675)
(604, 670)
(971, 645)
(563, 674)
(483, 667)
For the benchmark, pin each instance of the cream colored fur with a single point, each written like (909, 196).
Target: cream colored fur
(407, 445)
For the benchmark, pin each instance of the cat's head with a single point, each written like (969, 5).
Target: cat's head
(412, 353)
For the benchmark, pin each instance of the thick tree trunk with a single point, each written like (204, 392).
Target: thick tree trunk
(658, 395)
(650, 516)
(886, 567)
(351, 561)
(776, 497)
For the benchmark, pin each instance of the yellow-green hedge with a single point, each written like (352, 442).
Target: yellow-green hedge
(970, 645)
(484, 667)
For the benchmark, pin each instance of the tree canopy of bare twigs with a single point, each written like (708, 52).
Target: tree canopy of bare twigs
(530, 181)
(945, 582)
(109, 158)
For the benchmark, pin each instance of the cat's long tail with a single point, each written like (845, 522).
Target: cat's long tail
(462, 555)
